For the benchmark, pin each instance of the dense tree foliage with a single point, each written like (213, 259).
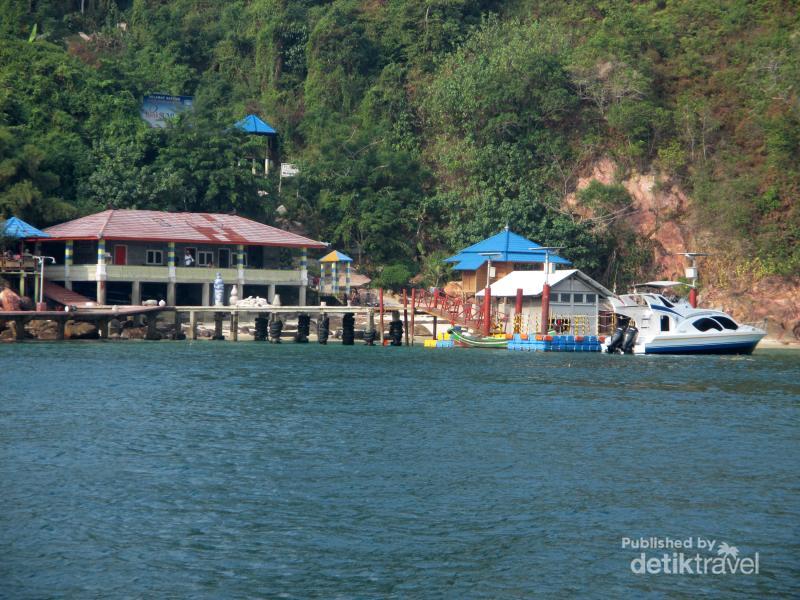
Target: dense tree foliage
(419, 126)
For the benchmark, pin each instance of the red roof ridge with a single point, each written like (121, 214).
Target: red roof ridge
(105, 224)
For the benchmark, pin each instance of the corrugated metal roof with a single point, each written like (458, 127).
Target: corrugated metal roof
(532, 282)
(151, 225)
(508, 246)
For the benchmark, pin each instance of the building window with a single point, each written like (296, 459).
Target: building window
(527, 267)
(154, 257)
(577, 298)
(224, 258)
(590, 298)
(564, 298)
(205, 258)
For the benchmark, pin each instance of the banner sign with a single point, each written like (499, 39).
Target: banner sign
(157, 108)
(289, 170)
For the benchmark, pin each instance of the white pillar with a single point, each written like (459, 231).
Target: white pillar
(136, 292)
(69, 248)
(100, 272)
(206, 296)
(271, 292)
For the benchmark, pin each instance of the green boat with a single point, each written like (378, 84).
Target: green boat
(477, 342)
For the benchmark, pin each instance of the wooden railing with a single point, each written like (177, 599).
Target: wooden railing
(456, 310)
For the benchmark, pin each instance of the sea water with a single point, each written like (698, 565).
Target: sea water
(225, 470)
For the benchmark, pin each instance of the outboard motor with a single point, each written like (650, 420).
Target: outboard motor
(616, 340)
(630, 339)
(615, 344)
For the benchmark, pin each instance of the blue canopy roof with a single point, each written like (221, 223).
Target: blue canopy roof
(19, 229)
(508, 246)
(252, 124)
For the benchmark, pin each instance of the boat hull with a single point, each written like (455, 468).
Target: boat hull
(482, 342)
(709, 344)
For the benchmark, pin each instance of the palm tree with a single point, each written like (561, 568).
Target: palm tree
(726, 550)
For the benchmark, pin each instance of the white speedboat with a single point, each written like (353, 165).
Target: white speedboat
(649, 323)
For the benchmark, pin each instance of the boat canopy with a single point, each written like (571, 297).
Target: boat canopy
(661, 284)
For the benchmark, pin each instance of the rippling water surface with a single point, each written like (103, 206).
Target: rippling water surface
(211, 470)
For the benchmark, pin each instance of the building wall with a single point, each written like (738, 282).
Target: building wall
(474, 281)
(581, 316)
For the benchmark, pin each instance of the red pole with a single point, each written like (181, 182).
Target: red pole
(487, 309)
(405, 313)
(413, 311)
(518, 311)
(545, 308)
(380, 303)
(693, 297)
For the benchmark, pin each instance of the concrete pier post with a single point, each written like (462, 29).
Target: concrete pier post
(192, 325)
(136, 292)
(234, 326)
(171, 293)
(102, 328)
(206, 295)
(60, 327)
(218, 316)
(152, 330)
(19, 329)
(271, 293)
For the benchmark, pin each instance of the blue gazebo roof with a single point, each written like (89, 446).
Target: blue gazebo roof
(19, 229)
(252, 124)
(508, 246)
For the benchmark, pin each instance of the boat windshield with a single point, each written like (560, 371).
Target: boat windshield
(726, 322)
(666, 302)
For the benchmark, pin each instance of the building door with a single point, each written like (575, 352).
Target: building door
(120, 255)
(224, 258)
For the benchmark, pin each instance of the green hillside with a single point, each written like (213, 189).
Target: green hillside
(418, 126)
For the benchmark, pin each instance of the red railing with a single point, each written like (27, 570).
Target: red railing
(456, 310)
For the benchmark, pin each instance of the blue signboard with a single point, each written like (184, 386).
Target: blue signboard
(157, 108)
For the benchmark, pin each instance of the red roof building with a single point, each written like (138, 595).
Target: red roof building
(196, 228)
(127, 256)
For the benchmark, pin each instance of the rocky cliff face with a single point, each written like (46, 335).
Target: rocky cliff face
(662, 212)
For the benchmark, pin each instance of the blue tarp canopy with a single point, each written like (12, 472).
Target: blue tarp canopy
(252, 124)
(506, 246)
(19, 229)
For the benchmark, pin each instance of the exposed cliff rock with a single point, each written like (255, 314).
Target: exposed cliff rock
(661, 212)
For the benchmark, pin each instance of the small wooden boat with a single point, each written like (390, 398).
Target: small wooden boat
(478, 342)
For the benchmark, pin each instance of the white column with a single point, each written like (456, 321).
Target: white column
(100, 272)
(69, 248)
(136, 292)
(206, 295)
